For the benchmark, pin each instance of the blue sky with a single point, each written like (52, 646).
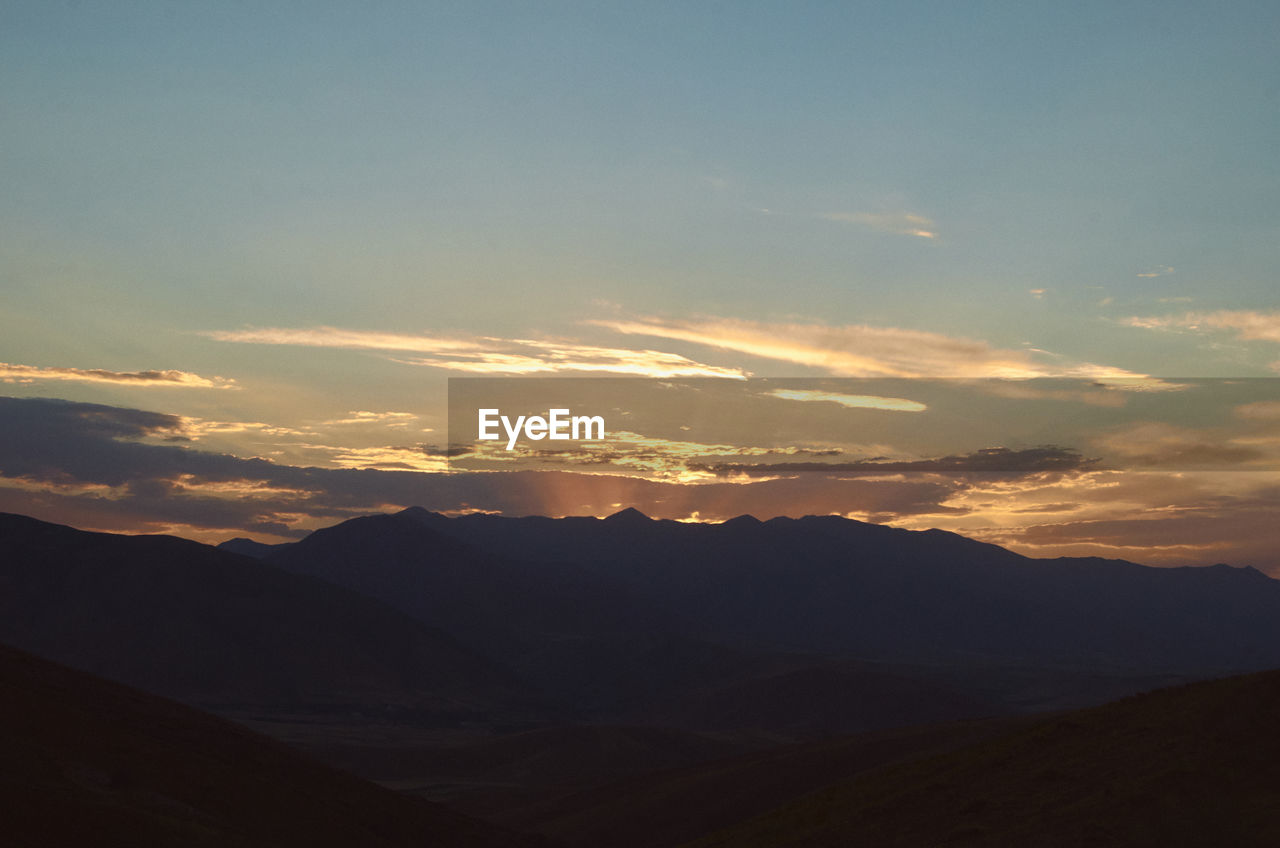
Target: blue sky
(828, 189)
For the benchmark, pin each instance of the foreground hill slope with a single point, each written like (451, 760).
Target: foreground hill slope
(1189, 766)
(87, 762)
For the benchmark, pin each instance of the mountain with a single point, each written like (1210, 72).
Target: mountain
(248, 547)
(87, 762)
(1187, 766)
(566, 628)
(613, 616)
(836, 587)
(188, 621)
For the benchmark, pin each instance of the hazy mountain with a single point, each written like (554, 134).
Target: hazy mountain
(87, 762)
(189, 621)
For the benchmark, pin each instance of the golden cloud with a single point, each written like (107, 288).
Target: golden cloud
(865, 351)
(10, 373)
(488, 355)
(851, 401)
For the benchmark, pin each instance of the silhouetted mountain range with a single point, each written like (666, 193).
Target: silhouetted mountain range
(704, 640)
(816, 586)
(186, 620)
(623, 619)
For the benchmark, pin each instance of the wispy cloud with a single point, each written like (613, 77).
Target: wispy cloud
(898, 223)
(489, 355)
(360, 416)
(1157, 271)
(1038, 294)
(864, 351)
(1248, 325)
(198, 428)
(1263, 410)
(10, 373)
(851, 401)
(1001, 459)
(538, 357)
(340, 338)
(1161, 445)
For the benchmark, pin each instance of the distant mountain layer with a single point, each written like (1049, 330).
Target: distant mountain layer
(87, 762)
(823, 586)
(188, 621)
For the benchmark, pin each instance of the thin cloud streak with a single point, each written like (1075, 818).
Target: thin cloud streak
(864, 351)
(1248, 325)
(488, 355)
(340, 338)
(900, 223)
(851, 401)
(10, 373)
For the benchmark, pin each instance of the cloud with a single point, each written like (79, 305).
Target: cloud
(339, 338)
(1262, 410)
(898, 223)
(88, 464)
(1157, 271)
(99, 467)
(10, 373)
(197, 428)
(1038, 294)
(654, 457)
(1006, 460)
(1248, 325)
(361, 416)
(851, 401)
(1161, 445)
(865, 351)
(488, 355)
(1155, 517)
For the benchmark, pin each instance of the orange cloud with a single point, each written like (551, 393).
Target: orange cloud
(864, 351)
(488, 355)
(10, 373)
(851, 401)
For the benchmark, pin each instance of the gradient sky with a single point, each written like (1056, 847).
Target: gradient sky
(285, 225)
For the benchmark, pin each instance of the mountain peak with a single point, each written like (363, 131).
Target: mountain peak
(630, 515)
(742, 521)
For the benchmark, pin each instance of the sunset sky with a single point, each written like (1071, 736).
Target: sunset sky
(243, 248)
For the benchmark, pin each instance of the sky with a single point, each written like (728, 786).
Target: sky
(244, 248)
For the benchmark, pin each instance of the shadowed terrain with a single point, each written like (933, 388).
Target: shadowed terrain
(84, 761)
(205, 626)
(1187, 766)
